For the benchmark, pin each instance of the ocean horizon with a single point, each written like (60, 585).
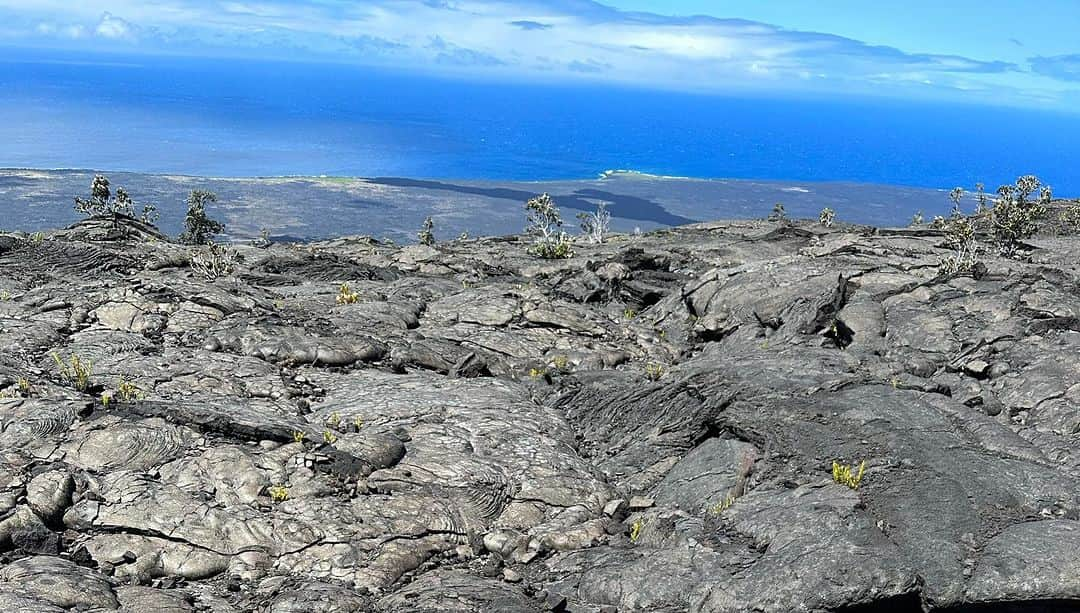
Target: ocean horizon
(238, 118)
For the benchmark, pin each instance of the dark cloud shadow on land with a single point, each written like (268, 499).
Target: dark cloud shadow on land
(619, 205)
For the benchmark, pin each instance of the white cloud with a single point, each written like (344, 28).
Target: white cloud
(70, 31)
(569, 39)
(113, 27)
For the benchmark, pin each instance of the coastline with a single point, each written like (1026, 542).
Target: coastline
(316, 207)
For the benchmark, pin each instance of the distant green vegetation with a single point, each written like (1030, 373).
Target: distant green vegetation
(335, 180)
(1016, 214)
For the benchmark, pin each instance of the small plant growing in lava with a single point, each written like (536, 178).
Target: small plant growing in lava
(263, 240)
(545, 225)
(127, 391)
(278, 493)
(426, 235)
(561, 363)
(779, 213)
(723, 505)
(215, 262)
(594, 226)
(346, 295)
(956, 196)
(827, 217)
(960, 236)
(1017, 212)
(982, 201)
(199, 228)
(846, 475)
(104, 203)
(1070, 215)
(76, 370)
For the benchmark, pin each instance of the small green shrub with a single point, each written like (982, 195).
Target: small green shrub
(956, 195)
(545, 225)
(199, 228)
(426, 235)
(654, 372)
(1017, 212)
(103, 203)
(1070, 215)
(779, 213)
(214, 262)
(982, 201)
(149, 215)
(262, 241)
(961, 238)
(827, 217)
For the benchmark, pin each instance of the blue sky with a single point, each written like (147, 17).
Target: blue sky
(990, 51)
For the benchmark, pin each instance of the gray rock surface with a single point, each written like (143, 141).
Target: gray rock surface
(650, 425)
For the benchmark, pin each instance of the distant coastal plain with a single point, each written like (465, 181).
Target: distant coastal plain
(311, 208)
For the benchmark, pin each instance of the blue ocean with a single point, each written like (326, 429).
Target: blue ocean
(232, 118)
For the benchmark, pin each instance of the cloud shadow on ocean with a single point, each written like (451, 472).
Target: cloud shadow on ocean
(619, 205)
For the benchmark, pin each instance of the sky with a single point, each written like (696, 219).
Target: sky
(996, 52)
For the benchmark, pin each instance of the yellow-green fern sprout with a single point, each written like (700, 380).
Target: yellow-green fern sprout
(845, 475)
